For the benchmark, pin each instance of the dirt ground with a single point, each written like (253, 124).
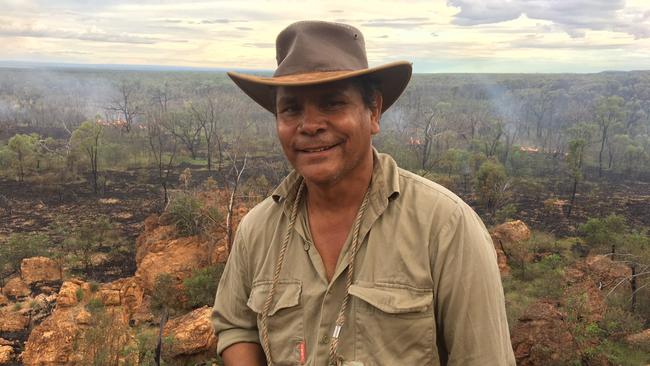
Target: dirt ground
(129, 199)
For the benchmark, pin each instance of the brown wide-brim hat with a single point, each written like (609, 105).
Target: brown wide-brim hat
(315, 52)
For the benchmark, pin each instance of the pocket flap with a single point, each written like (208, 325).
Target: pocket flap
(394, 299)
(287, 295)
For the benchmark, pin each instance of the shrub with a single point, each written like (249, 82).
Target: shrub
(505, 213)
(190, 215)
(165, 295)
(490, 184)
(18, 247)
(185, 212)
(79, 294)
(202, 286)
(601, 232)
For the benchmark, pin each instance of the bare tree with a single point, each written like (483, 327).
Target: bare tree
(236, 172)
(126, 103)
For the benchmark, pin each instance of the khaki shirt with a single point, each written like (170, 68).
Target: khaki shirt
(426, 288)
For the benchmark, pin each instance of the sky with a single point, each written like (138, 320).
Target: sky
(438, 36)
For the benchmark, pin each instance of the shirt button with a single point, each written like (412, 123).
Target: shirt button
(324, 339)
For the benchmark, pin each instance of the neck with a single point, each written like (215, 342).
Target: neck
(342, 194)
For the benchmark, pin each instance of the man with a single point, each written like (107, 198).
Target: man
(353, 261)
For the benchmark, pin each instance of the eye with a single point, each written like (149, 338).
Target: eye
(289, 109)
(334, 103)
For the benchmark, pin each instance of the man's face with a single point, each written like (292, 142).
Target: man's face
(326, 130)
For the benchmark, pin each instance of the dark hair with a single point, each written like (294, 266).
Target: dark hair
(368, 85)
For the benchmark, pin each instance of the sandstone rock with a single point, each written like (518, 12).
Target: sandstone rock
(512, 231)
(6, 354)
(62, 338)
(84, 317)
(542, 337)
(110, 297)
(39, 270)
(641, 339)
(177, 257)
(4, 342)
(192, 335)
(51, 342)
(587, 301)
(153, 239)
(12, 321)
(68, 294)
(503, 236)
(605, 272)
(15, 288)
(3, 300)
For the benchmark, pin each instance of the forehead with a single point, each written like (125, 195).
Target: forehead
(344, 87)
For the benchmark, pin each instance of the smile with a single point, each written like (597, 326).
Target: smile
(317, 149)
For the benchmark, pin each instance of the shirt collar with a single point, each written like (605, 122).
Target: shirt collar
(384, 185)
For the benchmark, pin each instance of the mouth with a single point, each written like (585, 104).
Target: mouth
(317, 149)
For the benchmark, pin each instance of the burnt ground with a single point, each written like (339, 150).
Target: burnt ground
(131, 196)
(32, 207)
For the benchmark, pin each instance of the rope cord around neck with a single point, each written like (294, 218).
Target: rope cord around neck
(266, 343)
(334, 358)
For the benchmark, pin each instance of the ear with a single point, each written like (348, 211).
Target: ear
(375, 114)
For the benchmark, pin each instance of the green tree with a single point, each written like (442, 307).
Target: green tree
(24, 151)
(86, 140)
(603, 232)
(580, 139)
(491, 183)
(609, 114)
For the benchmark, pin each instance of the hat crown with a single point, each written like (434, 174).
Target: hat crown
(316, 46)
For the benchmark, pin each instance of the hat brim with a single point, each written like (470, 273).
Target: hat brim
(393, 78)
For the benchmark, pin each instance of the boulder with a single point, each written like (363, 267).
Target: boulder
(6, 354)
(178, 257)
(12, 321)
(52, 341)
(15, 288)
(39, 270)
(125, 293)
(192, 336)
(72, 335)
(67, 294)
(83, 317)
(503, 236)
(542, 337)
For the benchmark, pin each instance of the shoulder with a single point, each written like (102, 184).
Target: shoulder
(417, 190)
(259, 219)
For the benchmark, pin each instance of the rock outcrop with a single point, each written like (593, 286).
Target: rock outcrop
(40, 270)
(192, 337)
(15, 289)
(6, 354)
(12, 322)
(504, 236)
(542, 337)
(159, 253)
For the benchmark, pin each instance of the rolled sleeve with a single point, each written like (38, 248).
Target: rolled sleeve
(470, 305)
(232, 319)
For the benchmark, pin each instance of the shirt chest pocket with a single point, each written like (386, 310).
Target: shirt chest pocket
(285, 321)
(395, 324)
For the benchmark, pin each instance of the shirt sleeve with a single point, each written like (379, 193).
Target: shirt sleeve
(469, 300)
(233, 320)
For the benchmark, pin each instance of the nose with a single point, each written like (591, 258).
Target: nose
(313, 121)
